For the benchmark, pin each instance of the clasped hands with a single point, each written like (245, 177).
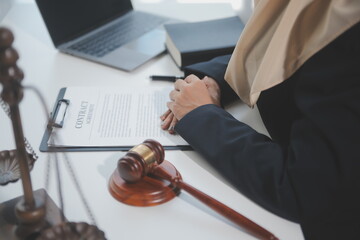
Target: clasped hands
(188, 94)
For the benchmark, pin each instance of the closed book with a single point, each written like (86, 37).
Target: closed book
(193, 42)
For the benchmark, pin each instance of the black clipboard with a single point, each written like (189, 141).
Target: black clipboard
(57, 121)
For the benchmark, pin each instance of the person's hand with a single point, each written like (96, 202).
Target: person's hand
(169, 120)
(188, 94)
(214, 90)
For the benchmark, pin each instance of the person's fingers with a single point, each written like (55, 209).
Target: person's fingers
(165, 114)
(206, 81)
(165, 125)
(210, 82)
(172, 125)
(178, 85)
(214, 90)
(169, 123)
(170, 105)
(173, 95)
(188, 80)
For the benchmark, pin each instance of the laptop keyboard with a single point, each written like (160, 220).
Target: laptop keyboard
(118, 34)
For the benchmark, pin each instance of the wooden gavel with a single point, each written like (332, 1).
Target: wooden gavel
(144, 159)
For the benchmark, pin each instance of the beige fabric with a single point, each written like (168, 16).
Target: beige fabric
(280, 36)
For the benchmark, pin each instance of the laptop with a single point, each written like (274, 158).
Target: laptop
(109, 32)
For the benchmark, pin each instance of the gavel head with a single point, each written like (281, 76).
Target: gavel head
(140, 160)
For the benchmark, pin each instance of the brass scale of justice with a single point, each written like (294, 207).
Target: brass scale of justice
(142, 176)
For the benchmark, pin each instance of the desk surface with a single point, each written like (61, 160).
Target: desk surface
(181, 218)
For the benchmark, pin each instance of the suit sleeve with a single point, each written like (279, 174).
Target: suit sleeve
(251, 161)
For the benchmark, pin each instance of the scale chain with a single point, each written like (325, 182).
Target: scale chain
(28, 146)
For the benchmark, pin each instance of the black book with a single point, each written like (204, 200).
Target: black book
(193, 42)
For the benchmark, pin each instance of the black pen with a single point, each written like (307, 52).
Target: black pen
(165, 78)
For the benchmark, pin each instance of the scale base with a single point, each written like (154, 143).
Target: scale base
(10, 229)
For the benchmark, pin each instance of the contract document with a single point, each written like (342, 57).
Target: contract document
(112, 116)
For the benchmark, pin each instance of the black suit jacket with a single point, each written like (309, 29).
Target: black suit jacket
(309, 170)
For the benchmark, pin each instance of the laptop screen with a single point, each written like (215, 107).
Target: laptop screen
(66, 19)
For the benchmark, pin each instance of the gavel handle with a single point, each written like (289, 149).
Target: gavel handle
(217, 206)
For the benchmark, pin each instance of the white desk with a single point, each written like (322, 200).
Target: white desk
(181, 218)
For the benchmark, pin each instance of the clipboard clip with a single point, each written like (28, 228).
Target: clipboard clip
(57, 119)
